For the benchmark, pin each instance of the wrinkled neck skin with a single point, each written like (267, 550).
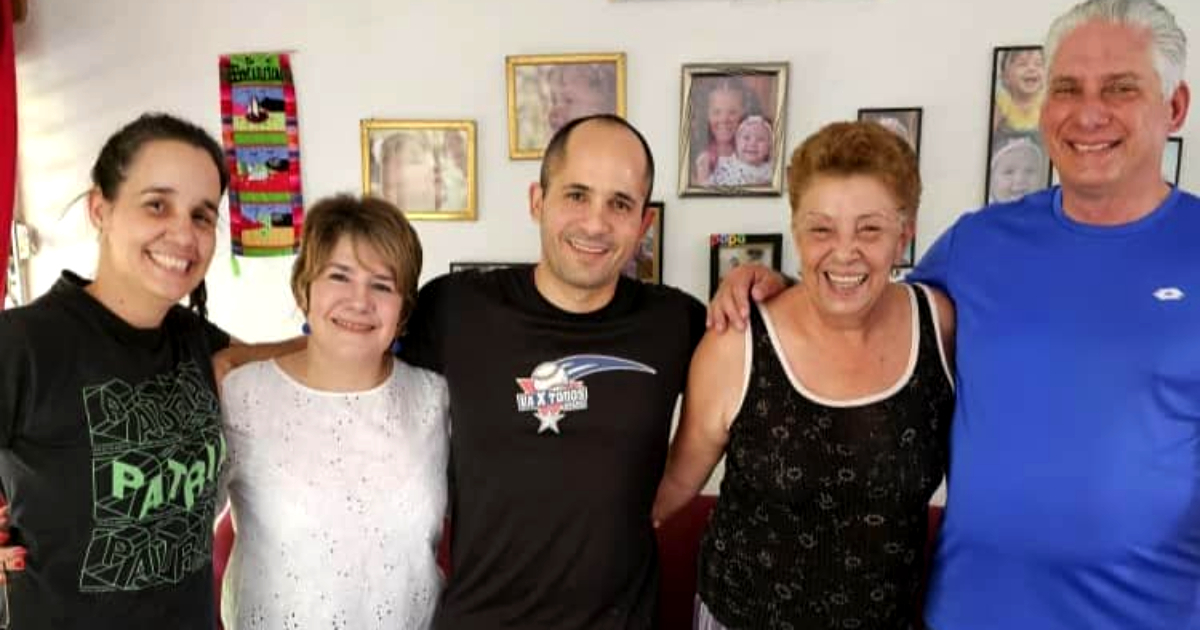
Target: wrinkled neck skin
(1101, 207)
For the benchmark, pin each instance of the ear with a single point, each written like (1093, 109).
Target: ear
(1178, 103)
(648, 216)
(907, 233)
(536, 198)
(98, 208)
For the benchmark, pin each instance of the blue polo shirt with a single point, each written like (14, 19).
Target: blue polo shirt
(1074, 485)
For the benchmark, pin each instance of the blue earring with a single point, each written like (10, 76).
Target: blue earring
(305, 329)
(396, 345)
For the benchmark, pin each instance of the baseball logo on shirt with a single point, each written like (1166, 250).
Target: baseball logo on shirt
(556, 387)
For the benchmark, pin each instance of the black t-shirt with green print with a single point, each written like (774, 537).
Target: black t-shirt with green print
(110, 449)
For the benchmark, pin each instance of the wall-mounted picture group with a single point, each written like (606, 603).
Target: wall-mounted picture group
(731, 142)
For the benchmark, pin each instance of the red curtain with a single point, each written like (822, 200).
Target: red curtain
(8, 138)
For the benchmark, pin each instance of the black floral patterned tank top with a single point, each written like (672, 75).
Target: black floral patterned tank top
(822, 517)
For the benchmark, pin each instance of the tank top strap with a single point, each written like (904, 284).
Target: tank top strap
(930, 352)
(764, 357)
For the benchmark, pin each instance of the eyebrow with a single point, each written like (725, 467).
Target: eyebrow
(375, 276)
(1116, 76)
(577, 187)
(207, 204)
(870, 214)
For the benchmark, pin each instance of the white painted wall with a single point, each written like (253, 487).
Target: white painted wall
(87, 66)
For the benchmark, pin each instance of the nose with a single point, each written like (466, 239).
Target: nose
(1093, 112)
(181, 229)
(360, 295)
(594, 219)
(846, 247)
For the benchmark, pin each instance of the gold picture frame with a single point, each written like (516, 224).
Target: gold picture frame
(716, 100)
(440, 166)
(542, 96)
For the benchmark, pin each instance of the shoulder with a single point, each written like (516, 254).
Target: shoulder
(940, 304)
(46, 318)
(184, 322)
(246, 377)
(474, 282)
(1190, 201)
(992, 218)
(423, 378)
(666, 296)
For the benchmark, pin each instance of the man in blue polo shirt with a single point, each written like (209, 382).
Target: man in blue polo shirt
(1074, 483)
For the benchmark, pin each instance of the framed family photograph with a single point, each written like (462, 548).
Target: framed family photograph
(1017, 159)
(902, 121)
(1172, 160)
(731, 129)
(458, 266)
(425, 167)
(546, 92)
(728, 251)
(646, 264)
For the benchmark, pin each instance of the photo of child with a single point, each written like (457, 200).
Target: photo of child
(1017, 169)
(425, 168)
(730, 251)
(902, 121)
(732, 129)
(1017, 162)
(1020, 89)
(751, 162)
(546, 92)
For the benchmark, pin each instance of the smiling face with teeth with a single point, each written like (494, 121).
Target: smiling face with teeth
(158, 232)
(1105, 122)
(592, 215)
(1024, 74)
(849, 232)
(354, 304)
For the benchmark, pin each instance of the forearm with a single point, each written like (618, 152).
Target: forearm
(685, 475)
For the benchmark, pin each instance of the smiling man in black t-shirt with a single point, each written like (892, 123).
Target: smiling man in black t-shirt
(563, 378)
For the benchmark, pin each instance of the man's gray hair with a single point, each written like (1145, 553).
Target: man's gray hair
(1168, 44)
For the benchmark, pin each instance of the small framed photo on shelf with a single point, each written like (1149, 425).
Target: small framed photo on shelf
(646, 264)
(546, 92)
(1017, 160)
(458, 266)
(425, 167)
(727, 251)
(731, 129)
(903, 121)
(1172, 160)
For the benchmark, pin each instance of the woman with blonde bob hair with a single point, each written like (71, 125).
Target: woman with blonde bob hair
(832, 410)
(339, 431)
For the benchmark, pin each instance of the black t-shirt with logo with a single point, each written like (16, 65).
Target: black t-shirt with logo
(559, 429)
(110, 449)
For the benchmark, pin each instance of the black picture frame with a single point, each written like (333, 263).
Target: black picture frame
(484, 266)
(1172, 164)
(647, 262)
(730, 250)
(1011, 136)
(904, 121)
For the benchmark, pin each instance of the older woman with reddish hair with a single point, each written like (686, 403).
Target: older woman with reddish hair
(832, 410)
